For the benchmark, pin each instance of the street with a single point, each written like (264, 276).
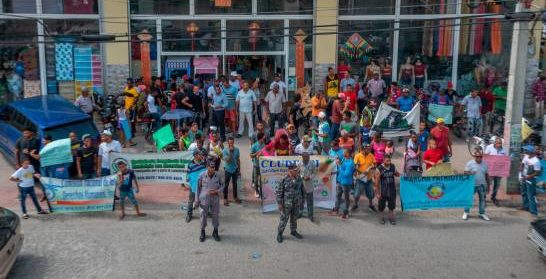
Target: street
(434, 244)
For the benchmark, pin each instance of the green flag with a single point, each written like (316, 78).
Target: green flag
(56, 152)
(163, 137)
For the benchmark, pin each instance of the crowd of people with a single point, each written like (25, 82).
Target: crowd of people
(338, 125)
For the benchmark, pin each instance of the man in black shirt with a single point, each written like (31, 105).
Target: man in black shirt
(86, 159)
(197, 104)
(25, 147)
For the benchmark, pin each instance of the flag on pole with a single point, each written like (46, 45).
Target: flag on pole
(163, 137)
(526, 131)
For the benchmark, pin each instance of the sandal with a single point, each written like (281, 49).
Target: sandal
(25, 216)
(382, 221)
(392, 221)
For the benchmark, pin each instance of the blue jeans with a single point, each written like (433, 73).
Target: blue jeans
(474, 126)
(24, 191)
(480, 189)
(367, 188)
(334, 131)
(130, 195)
(496, 186)
(528, 189)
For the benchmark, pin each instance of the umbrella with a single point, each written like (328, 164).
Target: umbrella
(177, 114)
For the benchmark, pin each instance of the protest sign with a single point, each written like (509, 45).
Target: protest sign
(56, 152)
(440, 111)
(193, 177)
(170, 167)
(436, 192)
(163, 137)
(66, 195)
(274, 169)
(497, 165)
(396, 123)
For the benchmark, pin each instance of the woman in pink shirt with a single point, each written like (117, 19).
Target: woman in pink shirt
(378, 148)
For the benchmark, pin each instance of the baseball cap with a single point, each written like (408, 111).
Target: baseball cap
(321, 114)
(341, 96)
(440, 120)
(107, 133)
(86, 136)
(233, 73)
(292, 166)
(529, 148)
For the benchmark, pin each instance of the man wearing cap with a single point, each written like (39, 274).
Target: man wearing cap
(85, 102)
(289, 194)
(107, 146)
(282, 86)
(197, 164)
(209, 187)
(482, 183)
(274, 105)
(233, 81)
(530, 168)
(86, 159)
(306, 146)
(440, 133)
(308, 170)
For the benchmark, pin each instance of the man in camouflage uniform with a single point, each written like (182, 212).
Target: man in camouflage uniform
(290, 193)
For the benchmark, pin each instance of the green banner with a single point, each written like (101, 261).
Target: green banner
(163, 137)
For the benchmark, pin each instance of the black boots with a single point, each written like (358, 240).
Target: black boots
(279, 237)
(202, 237)
(215, 235)
(188, 218)
(296, 235)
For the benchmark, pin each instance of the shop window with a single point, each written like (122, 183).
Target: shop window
(425, 52)
(19, 64)
(138, 26)
(285, 6)
(244, 35)
(162, 7)
(71, 64)
(366, 51)
(191, 35)
(223, 7)
(484, 53)
(416, 7)
(18, 6)
(488, 6)
(70, 6)
(367, 7)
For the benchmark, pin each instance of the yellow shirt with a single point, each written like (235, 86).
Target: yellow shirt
(363, 162)
(130, 100)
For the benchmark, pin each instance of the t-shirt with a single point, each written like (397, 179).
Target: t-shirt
(336, 112)
(378, 151)
(349, 127)
(479, 170)
(246, 100)
(25, 175)
(231, 159)
(405, 103)
(442, 138)
(87, 159)
(500, 98)
(179, 97)
(257, 146)
(131, 98)
(230, 93)
(324, 128)
(530, 165)
(127, 179)
(104, 152)
(347, 143)
(423, 140)
(275, 101)
(335, 154)
(300, 149)
(332, 86)
(317, 105)
(293, 139)
(433, 155)
(473, 106)
(351, 98)
(364, 162)
(196, 101)
(152, 108)
(31, 144)
(491, 150)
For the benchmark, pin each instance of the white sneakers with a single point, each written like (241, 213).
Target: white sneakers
(483, 216)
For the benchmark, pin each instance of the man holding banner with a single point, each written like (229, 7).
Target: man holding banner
(495, 149)
(479, 169)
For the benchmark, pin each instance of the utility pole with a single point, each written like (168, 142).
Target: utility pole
(516, 95)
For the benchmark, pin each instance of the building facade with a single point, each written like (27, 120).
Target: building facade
(465, 42)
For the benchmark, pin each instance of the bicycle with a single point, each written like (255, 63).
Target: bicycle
(147, 124)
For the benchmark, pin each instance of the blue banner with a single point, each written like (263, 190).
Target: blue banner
(436, 192)
(80, 195)
(440, 111)
(193, 178)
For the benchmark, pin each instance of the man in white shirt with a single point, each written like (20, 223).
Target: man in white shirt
(24, 176)
(107, 146)
(473, 106)
(482, 183)
(282, 86)
(246, 106)
(85, 102)
(306, 146)
(495, 149)
(152, 108)
(274, 104)
(530, 168)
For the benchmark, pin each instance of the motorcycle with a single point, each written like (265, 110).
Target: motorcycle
(108, 114)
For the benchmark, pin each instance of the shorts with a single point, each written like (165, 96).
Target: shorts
(129, 195)
(231, 114)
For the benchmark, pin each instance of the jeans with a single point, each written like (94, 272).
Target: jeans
(219, 120)
(343, 190)
(474, 126)
(104, 172)
(256, 180)
(248, 117)
(496, 186)
(528, 190)
(480, 189)
(24, 191)
(309, 200)
(233, 178)
(272, 118)
(365, 187)
(157, 121)
(334, 131)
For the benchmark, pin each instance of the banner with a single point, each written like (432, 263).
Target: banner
(443, 169)
(170, 167)
(396, 123)
(163, 137)
(80, 195)
(436, 192)
(56, 152)
(274, 169)
(193, 178)
(497, 165)
(440, 111)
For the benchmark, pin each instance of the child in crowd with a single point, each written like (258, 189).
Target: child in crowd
(389, 149)
(126, 177)
(24, 176)
(184, 139)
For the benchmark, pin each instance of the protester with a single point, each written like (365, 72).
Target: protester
(198, 106)
(25, 146)
(530, 168)
(306, 146)
(473, 105)
(274, 104)
(346, 81)
(86, 102)
(318, 104)
(24, 176)
(338, 108)
(260, 128)
(378, 148)
(107, 146)
(282, 86)
(385, 189)
(433, 155)
(126, 177)
(394, 93)
(495, 149)
(126, 135)
(482, 183)
(87, 159)
(197, 164)
(376, 87)
(331, 83)
(346, 142)
(335, 152)
(194, 130)
(246, 106)
(131, 96)
(308, 170)
(345, 172)
(364, 166)
(153, 105)
(440, 133)
(289, 194)
(348, 125)
(405, 102)
(293, 138)
(209, 187)
(259, 99)
(218, 105)
(198, 144)
(215, 148)
(323, 133)
(232, 169)
(423, 136)
(255, 153)
(184, 139)
(351, 99)
(412, 156)
(230, 93)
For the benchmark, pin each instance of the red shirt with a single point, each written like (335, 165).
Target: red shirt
(336, 112)
(488, 101)
(351, 95)
(442, 138)
(433, 155)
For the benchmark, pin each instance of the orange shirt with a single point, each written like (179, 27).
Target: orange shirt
(317, 105)
(348, 143)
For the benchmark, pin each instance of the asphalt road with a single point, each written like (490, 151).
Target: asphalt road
(436, 244)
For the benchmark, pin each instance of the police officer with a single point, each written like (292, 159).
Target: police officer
(290, 193)
(197, 164)
(210, 184)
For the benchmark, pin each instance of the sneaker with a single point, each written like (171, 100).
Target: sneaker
(257, 195)
(372, 208)
(495, 202)
(296, 235)
(484, 217)
(344, 217)
(279, 238)
(465, 216)
(25, 216)
(188, 218)
(202, 236)
(215, 235)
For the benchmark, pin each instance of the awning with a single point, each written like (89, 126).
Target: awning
(205, 65)
(178, 62)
